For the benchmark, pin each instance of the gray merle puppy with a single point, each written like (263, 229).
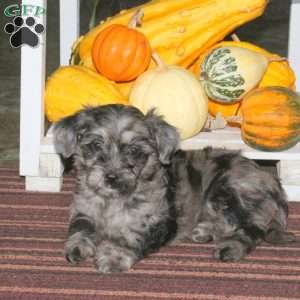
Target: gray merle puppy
(137, 192)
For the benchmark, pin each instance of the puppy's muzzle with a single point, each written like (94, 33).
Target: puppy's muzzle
(119, 182)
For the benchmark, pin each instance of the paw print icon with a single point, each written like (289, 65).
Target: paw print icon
(24, 32)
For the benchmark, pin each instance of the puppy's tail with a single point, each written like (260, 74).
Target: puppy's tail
(275, 236)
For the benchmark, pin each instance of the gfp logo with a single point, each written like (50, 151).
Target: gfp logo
(24, 28)
(15, 10)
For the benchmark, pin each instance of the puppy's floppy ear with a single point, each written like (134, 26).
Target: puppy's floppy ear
(65, 135)
(166, 136)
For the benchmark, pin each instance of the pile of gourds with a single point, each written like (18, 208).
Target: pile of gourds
(170, 55)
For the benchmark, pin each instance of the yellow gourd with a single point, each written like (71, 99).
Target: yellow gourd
(69, 89)
(229, 72)
(278, 73)
(179, 31)
(175, 93)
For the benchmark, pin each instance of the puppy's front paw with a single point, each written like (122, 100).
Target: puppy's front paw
(78, 248)
(113, 264)
(202, 233)
(111, 259)
(230, 250)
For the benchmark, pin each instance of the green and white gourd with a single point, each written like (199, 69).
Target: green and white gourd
(228, 73)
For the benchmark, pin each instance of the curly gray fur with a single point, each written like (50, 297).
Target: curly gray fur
(136, 191)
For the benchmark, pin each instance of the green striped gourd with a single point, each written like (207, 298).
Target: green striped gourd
(228, 73)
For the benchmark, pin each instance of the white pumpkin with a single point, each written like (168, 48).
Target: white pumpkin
(176, 94)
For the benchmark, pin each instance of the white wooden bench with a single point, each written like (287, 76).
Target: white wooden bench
(41, 165)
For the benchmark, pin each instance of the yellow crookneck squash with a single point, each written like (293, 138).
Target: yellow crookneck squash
(270, 118)
(178, 30)
(278, 73)
(71, 88)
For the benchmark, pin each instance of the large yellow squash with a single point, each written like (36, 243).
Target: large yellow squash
(174, 93)
(179, 31)
(69, 89)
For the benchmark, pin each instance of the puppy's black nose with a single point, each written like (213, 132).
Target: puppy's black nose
(111, 178)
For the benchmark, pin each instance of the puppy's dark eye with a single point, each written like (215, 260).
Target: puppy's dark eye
(134, 150)
(96, 145)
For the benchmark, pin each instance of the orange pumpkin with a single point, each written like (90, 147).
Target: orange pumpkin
(121, 53)
(270, 118)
